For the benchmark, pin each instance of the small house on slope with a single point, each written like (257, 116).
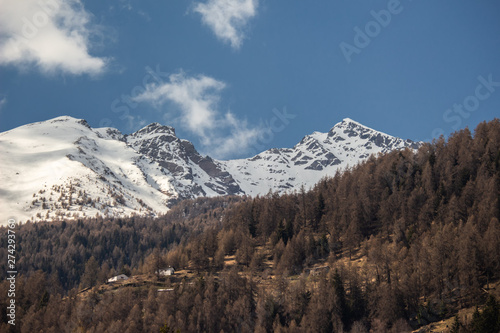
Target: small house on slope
(166, 271)
(121, 277)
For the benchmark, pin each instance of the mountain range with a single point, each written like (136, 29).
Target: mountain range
(63, 168)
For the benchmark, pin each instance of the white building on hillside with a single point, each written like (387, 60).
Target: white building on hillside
(117, 278)
(166, 271)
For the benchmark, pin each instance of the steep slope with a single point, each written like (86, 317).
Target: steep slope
(192, 174)
(314, 157)
(62, 168)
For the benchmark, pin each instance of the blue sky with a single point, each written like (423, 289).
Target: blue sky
(239, 76)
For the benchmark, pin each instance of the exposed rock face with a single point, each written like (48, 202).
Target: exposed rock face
(64, 168)
(315, 156)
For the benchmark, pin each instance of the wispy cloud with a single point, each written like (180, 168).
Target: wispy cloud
(3, 102)
(135, 123)
(53, 35)
(227, 18)
(197, 99)
(127, 5)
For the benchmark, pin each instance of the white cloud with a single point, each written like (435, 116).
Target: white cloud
(196, 98)
(227, 18)
(53, 35)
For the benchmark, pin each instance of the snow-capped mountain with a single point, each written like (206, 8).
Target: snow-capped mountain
(191, 174)
(63, 168)
(315, 156)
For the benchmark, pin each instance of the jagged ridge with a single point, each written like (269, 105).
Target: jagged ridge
(63, 168)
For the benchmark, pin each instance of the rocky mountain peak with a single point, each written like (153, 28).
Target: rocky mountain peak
(155, 129)
(68, 169)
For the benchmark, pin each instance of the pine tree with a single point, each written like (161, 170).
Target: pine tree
(455, 328)
(489, 321)
(89, 278)
(342, 306)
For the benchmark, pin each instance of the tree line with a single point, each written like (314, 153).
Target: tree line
(409, 237)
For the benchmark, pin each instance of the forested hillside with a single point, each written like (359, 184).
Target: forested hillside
(397, 242)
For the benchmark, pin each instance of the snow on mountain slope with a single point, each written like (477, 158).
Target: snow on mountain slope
(316, 156)
(62, 168)
(193, 175)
